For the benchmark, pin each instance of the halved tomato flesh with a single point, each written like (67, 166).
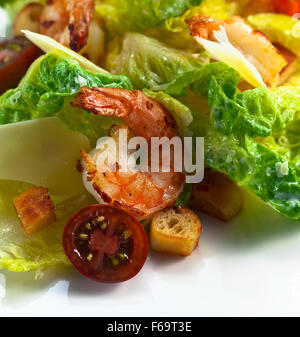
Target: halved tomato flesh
(16, 55)
(105, 243)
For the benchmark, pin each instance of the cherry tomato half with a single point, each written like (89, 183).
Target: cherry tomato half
(16, 55)
(105, 243)
(288, 7)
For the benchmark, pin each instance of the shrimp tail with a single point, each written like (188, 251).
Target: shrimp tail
(80, 20)
(144, 115)
(99, 102)
(203, 26)
(67, 21)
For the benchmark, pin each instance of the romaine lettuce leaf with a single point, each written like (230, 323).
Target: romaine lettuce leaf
(185, 195)
(232, 146)
(47, 90)
(20, 252)
(286, 141)
(50, 84)
(157, 67)
(152, 65)
(256, 168)
(279, 28)
(127, 15)
(218, 9)
(258, 112)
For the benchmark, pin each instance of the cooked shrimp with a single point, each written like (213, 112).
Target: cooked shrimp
(141, 193)
(204, 26)
(67, 21)
(255, 46)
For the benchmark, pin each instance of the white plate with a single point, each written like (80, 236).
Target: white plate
(250, 266)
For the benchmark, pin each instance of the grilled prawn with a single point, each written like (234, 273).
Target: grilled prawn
(67, 21)
(252, 44)
(140, 193)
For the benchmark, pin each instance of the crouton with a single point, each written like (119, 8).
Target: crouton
(35, 209)
(217, 196)
(176, 231)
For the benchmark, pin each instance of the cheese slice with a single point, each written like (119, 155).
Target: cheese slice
(43, 152)
(224, 51)
(48, 44)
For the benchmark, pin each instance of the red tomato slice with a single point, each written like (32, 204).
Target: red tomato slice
(288, 7)
(16, 55)
(105, 243)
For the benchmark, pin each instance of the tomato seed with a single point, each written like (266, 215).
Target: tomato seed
(115, 262)
(100, 219)
(127, 234)
(103, 225)
(88, 226)
(90, 257)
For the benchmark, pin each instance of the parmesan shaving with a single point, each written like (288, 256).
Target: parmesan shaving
(224, 51)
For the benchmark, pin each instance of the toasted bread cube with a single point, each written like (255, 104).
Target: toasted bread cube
(176, 231)
(35, 209)
(217, 196)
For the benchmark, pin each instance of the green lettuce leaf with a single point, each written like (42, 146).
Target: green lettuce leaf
(279, 28)
(47, 90)
(256, 168)
(185, 195)
(257, 112)
(232, 145)
(152, 65)
(49, 87)
(157, 67)
(286, 141)
(20, 252)
(125, 15)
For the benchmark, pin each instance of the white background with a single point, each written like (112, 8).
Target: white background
(250, 266)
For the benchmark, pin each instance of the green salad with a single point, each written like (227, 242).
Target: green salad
(187, 61)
